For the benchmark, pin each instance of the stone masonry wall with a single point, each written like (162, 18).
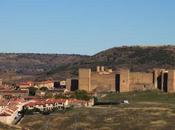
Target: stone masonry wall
(171, 81)
(102, 82)
(85, 79)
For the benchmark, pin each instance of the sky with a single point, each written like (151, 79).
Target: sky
(84, 26)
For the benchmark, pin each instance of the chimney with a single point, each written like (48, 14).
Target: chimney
(110, 70)
(0, 82)
(98, 68)
(102, 68)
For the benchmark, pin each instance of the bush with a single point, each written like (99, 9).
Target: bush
(44, 89)
(82, 95)
(57, 96)
(32, 91)
(26, 111)
(49, 95)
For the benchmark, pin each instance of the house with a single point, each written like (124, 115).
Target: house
(51, 103)
(48, 83)
(10, 110)
(63, 84)
(14, 93)
(25, 85)
(47, 104)
(3, 104)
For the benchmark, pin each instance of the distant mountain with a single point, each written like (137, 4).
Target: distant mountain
(59, 66)
(21, 66)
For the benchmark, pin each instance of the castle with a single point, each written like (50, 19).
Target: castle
(122, 80)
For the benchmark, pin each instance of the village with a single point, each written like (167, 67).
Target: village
(27, 98)
(49, 96)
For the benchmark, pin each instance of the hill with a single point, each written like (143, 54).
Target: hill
(17, 66)
(58, 66)
(138, 58)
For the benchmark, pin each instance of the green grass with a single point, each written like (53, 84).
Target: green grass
(145, 96)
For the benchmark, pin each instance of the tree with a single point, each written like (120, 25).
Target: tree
(32, 91)
(44, 89)
(49, 95)
(82, 94)
(60, 96)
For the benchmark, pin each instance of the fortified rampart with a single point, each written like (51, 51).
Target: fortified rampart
(141, 81)
(104, 79)
(102, 82)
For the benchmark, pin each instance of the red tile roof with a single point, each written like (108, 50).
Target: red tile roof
(13, 91)
(45, 101)
(46, 82)
(28, 83)
(4, 114)
(3, 102)
(52, 101)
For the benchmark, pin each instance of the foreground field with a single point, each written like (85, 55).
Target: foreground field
(111, 118)
(6, 127)
(147, 110)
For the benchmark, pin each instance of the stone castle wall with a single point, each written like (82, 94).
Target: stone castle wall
(102, 82)
(141, 81)
(171, 81)
(141, 78)
(85, 79)
(124, 80)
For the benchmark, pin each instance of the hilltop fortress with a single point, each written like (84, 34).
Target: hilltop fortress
(122, 80)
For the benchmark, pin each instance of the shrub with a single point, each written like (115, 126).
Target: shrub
(44, 89)
(32, 91)
(81, 94)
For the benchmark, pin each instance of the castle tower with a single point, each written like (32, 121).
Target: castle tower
(155, 76)
(98, 69)
(124, 80)
(171, 81)
(85, 79)
(102, 68)
(68, 84)
(0, 82)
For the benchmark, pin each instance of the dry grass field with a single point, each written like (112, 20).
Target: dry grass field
(151, 116)
(6, 127)
(147, 110)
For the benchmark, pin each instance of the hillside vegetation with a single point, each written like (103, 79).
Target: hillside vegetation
(137, 58)
(58, 66)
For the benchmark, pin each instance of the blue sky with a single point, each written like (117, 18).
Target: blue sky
(84, 26)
